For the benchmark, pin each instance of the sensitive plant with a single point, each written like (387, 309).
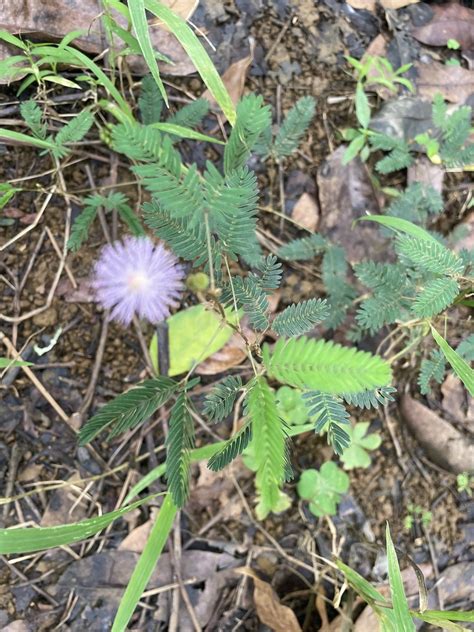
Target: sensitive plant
(208, 219)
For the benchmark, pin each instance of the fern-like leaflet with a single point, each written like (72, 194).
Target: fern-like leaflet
(219, 402)
(268, 442)
(302, 249)
(150, 101)
(298, 319)
(232, 449)
(435, 297)
(370, 398)
(325, 366)
(331, 417)
(179, 443)
(431, 368)
(430, 255)
(294, 127)
(72, 132)
(252, 120)
(33, 117)
(129, 409)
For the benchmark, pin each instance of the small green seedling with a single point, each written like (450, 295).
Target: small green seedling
(453, 44)
(357, 455)
(416, 514)
(465, 483)
(323, 489)
(291, 406)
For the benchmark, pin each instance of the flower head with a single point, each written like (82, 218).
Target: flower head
(137, 277)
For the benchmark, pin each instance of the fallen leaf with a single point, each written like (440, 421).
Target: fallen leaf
(426, 172)
(104, 576)
(345, 194)
(396, 4)
(455, 399)
(234, 78)
(137, 538)
(65, 504)
(455, 583)
(306, 212)
(445, 446)
(368, 5)
(269, 609)
(83, 293)
(35, 19)
(450, 21)
(454, 83)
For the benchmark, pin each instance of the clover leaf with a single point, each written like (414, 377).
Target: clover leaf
(291, 406)
(356, 455)
(323, 489)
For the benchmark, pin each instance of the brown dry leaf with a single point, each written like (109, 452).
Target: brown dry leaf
(446, 446)
(52, 20)
(368, 5)
(65, 504)
(137, 538)
(396, 4)
(233, 352)
(455, 83)
(449, 21)
(426, 172)
(454, 399)
(306, 212)
(234, 78)
(269, 609)
(345, 194)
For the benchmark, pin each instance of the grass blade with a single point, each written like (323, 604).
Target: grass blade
(403, 619)
(145, 565)
(31, 539)
(460, 366)
(140, 25)
(185, 132)
(198, 55)
(24, 138)
(397, 223)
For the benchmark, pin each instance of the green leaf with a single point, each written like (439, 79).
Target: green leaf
(198, 55)
(362, 106)
(298, 319)
(185, 132)
(6, 134)
(150, 101)
(220, 401)
(232, 449)
(353, 149)
(12, 39)
(268, 443)
(325, 366)
(251, 298)
(430, 256)
(436, 296)
(370, 398)
(323, 489)
(129, 409)
(7, 363)
(401, 610)
(331, 417)
(140, 25)
(460, 366)
(466, 348)
(356, 455)
(179, 443)
(302, 249)
(72, 132)
(145, 565)
(194, 334)
(294, 127)
(191, 114)
(31, 539)
(399, 224)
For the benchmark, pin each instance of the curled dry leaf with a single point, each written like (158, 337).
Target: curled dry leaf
(455, 402)
(450, 21)
(445, 446)
(396, 4)
(234, 78)
(269, 609)
(306, 212)
(454, 83)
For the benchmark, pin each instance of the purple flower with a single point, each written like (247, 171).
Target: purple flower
(137, 277)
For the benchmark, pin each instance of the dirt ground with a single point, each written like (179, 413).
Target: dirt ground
(299, 50)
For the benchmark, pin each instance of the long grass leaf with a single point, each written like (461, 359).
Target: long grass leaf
(198, 55)
(30, 539)
(401, 610)
(145, 565)
(460, 366)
